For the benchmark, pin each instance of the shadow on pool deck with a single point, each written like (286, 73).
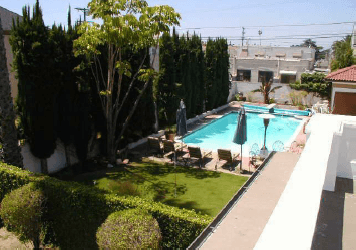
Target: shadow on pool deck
(336, 219)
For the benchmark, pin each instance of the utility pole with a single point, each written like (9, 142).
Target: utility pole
(243, 35)
(85, 11)
(260, 33)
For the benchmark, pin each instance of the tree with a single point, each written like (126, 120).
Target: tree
(319, 52)
(217, 73)
(343, 54)
(166, 89)
(8, 135)
(33, 63)
(266, 89)
(124, 24)
(309, 43)
(314, 83)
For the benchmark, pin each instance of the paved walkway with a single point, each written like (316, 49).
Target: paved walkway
(242, 227)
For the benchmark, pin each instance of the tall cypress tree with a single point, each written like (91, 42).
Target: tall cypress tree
(225, 64)
(211, 70)
(167, 98)
(185, 72)
(197, 74)
(37, 89)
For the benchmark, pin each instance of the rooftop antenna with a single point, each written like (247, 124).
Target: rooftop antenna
(85, 11)
(260, 33)
(243, 35)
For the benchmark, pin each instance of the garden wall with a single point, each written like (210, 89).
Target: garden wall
(57, 161)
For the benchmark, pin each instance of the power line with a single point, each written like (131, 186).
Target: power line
(267, 26)
(274, 39)
(289, 36)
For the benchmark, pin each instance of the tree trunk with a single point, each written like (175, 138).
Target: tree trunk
(266, 98)
(44, 167)
(156, 125)
(8, 134)
(36, 243)
(66, 151)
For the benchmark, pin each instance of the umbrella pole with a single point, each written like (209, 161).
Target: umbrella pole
(175, 176)
(241, 159)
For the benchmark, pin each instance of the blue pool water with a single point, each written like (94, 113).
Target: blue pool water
(219, 133)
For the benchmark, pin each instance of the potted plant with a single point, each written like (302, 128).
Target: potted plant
(170, 132)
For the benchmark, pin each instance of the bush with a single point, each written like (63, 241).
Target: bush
(250, 97)
(75, 212)
(314, 83)
(296, 97)
(132, 228)
(22, 212)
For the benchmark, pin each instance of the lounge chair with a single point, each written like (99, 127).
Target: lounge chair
(154, 145)
(171, 148)
(195, 153)
(226, 157)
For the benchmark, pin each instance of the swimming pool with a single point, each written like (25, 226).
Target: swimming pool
(219, 133)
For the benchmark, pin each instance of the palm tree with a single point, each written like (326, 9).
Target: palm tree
(266, 89)
(11, 153)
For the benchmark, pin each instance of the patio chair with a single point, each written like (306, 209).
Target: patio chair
(225, 157)
(252, 159)
(255, 148)
(154, 146)
(171, 148)
(278, 146)
(195, 153)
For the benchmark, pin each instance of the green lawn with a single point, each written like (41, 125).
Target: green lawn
(201, 190)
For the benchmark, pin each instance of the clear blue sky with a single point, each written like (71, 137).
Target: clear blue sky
(210, 16)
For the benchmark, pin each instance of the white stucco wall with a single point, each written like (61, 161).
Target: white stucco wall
(330, 147)
(57, 161)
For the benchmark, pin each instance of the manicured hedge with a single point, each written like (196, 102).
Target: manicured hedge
(75, 211)
(129, 228)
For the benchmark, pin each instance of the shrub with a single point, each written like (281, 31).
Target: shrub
(296, 97)
(132, 228)
(250, 97)
(74, 211)
(11, 178)
(22, 211)
(314, 83)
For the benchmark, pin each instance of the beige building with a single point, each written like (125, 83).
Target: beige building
(263, 63)
(6, 21)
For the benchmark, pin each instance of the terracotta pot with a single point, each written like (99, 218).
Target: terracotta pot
(170, 136)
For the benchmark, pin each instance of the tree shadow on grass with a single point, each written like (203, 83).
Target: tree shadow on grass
(164, 189)
(187, 205)
(198, 173)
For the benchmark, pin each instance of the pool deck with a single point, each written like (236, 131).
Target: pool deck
(242, 227)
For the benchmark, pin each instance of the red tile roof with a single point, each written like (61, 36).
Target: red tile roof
(346, 74)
